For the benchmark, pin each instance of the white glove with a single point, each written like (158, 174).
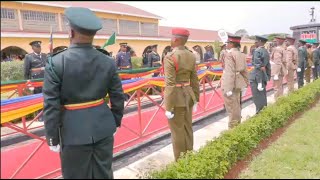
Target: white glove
(299, 70)
(42, 68)
(169, 114)
(55, 148)
(229, 93)
(244, 92)
(31, 88)
(260, 88)
(195, 107)
(276, 77)
(312, 67)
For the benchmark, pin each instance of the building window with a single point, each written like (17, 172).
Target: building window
(109, 26)
(39, 16)
(7, 13)
(149, 29)
(129, 27)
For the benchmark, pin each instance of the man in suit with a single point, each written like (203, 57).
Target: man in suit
(78, 121)
(181, 92)
(261, 74)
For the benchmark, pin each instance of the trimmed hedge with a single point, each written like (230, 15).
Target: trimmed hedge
(12, 70)
(219, 155)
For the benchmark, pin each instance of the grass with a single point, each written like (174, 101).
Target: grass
(296, 154)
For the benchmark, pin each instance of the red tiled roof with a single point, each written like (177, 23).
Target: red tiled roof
(102, 6)
(195, 34)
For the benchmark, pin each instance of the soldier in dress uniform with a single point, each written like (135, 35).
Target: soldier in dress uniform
(123, 58)
(78, 122)
(260, 75)
(34, 64)
(302, 62)
(315, 60)
(154, 59)
(278, 66)
(181, 93)
(310, 63)
(291, 60)
(234, 79)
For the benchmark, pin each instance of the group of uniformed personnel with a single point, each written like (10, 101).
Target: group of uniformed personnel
(80, 125)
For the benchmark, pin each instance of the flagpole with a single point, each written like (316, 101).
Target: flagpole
(51, 41)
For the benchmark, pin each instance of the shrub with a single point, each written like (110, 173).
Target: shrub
(219, 155)
(12, 70)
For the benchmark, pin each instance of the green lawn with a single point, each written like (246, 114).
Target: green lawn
(296, 154)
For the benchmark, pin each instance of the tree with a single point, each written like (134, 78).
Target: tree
(242, 33)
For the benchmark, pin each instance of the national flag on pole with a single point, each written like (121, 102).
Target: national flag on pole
(110, 41)
(50, 41)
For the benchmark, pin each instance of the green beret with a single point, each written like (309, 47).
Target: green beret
(83, 20)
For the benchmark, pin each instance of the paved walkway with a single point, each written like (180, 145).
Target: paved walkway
(164, 156)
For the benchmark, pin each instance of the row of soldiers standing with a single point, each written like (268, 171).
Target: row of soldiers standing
(283, 61)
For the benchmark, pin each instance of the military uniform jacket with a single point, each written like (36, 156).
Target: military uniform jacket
(124, 60)
(278, 62)
(77, 75)
(153, 57)
(316, 56)
(260, 59)
(31, 61)
(180, 67)
(302, 57)
(235, 74)
(291, 57)
(310, 57)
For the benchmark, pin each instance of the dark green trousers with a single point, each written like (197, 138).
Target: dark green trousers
(259, 97)
(92, 161)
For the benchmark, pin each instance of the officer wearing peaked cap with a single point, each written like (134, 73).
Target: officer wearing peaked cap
(181, 91)
(123, 57)
(278, 66)
(154, 58)
(261, 74)
(234, 79)
(291, 61)
(302, 62)
(78, 122)
(34, 64)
